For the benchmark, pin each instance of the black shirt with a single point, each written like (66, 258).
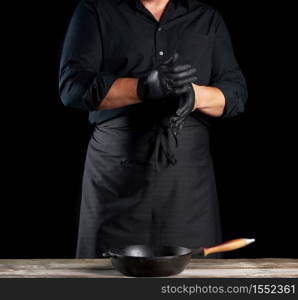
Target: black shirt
(109, 39)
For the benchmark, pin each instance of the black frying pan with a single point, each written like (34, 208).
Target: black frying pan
(149, 261)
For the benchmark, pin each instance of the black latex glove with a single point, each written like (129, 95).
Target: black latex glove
(169, 79)
(185, 107)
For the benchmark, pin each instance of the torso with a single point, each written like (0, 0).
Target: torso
(132, 44)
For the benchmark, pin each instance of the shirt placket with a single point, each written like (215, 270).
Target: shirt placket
(160, 46)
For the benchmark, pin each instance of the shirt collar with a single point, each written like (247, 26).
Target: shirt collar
(188, 3)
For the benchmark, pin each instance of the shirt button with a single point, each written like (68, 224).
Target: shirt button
(161, 53)
(159, 29)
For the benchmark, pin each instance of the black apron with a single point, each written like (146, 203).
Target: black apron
(142, 185)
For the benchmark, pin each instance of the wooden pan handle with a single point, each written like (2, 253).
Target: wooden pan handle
(228, 246)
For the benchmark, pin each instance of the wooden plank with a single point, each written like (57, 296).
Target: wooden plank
(102, 268)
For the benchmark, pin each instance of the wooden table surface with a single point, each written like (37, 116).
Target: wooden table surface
(102, 268)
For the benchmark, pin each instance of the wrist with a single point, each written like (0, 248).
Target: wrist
(197, 90)
(140, 89)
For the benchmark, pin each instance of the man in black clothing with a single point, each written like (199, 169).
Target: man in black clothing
(120, 63)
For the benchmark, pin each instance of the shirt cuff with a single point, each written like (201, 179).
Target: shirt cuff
(233, 103)
(98, 89)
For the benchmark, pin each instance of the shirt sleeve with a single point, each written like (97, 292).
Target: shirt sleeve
(82, 84)
(226, 74)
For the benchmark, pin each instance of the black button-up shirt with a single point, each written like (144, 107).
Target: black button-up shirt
(108, 39)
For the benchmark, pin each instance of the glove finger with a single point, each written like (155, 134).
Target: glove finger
(180, 68)
(172, 123)
(177, 83)
(183, 110)
(186, 108)
(168, 61)
(171, 60)
(174, 120)
(179, 124)
(181, 75)
(177, 116)
(174, 129)
(182, 116)
(182, 90)
(175, 68)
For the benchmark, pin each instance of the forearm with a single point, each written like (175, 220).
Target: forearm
(209, 100)
(123, 92)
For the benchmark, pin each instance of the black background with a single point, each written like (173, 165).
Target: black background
(44, 143)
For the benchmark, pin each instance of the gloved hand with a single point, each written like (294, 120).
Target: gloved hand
(169, 79)
(186, 106)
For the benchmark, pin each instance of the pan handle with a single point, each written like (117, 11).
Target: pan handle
(227, 246)
(109, 254)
